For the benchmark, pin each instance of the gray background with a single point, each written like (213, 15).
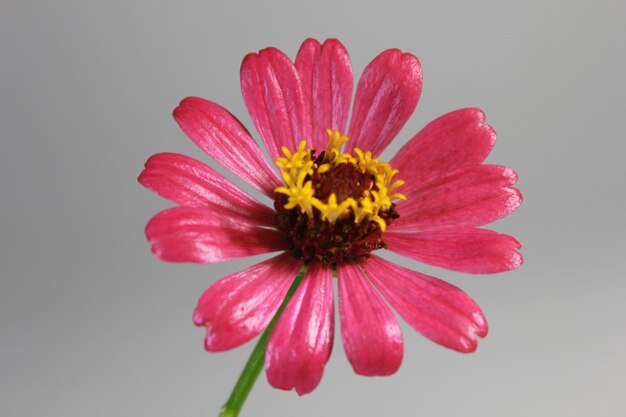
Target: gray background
(91, 324)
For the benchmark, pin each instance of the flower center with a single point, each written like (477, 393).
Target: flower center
(334, 206)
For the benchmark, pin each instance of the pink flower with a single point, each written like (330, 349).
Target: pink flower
(335, 203)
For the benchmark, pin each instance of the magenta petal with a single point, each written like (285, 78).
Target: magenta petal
(196, 234)
(327, 82)
(302, 340)
(238, 307)
(273, 93)
(447, 143)
(387, 94)
(471, 196)
(369, 330)
(438, 310)
(189, 182)
(475, 251)
(223, 138)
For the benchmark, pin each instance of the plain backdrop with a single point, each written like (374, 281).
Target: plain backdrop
(91, 324)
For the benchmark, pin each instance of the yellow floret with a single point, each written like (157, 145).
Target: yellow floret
(298, 167)
(297, 162)
(331, 211)
(335, 142)
(300, 193)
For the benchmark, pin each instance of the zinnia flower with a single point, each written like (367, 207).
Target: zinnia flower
(335, 204)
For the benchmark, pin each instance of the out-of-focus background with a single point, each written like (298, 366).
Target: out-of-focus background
(92, 324)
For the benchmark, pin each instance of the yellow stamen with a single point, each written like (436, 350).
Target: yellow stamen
(364, 210)
(381, 222)
(331, 211)
(297, 162)
(298, 167)
(335, 142)
(300, 193)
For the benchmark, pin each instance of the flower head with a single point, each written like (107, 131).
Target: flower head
(335, 203)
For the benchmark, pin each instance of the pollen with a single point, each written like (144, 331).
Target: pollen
(335, 206)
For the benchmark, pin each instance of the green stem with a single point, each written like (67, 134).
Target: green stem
(255, 363)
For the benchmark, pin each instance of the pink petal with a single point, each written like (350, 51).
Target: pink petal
(370, 331)
(438, 310)
(302, 340)
(476, 251)
(471, 196)
(189, 182)
(386, 96)
(195, 234)
(327, 82)
(223, 138)
(238, 307)
(453, 140)
(273, 93)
